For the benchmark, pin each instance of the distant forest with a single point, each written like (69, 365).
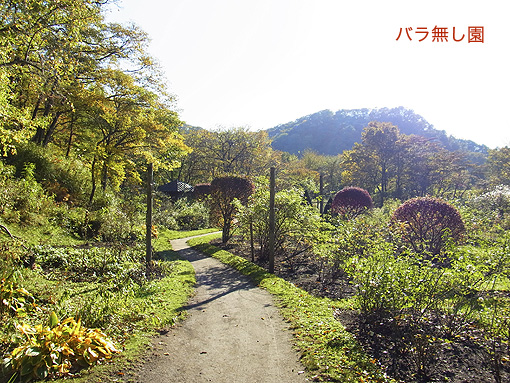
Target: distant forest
(330, 133)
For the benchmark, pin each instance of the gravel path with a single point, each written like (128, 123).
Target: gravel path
(233, 334)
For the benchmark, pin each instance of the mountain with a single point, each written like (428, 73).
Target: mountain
(331, 133)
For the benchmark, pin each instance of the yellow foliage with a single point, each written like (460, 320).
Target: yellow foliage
(51, 351)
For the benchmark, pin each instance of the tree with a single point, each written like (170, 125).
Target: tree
(54, 53)
(132, 125)
(224, 190)
(390, 164)
(498, 165)
(381, 139)
(328, 166)
(225, 152)
(360, 168)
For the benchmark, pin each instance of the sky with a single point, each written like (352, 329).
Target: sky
(260, 63)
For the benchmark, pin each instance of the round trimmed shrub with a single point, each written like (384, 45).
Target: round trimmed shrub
(428, 223)
(351, 202)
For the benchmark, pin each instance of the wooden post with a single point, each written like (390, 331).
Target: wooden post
(148, 220)
(321, 195)
(252, 245)
(271, 220)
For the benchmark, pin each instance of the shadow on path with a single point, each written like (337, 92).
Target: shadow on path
(218, 280)
(233, 333)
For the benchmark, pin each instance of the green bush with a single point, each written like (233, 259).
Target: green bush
(24, 201)
(490, 210)
(191, 216)
(63, 177)
(347, 239)
(180, 215)
(111, 219)
(88, 263)
(297, 226)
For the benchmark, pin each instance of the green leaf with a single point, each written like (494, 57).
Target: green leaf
(53, 319)
(33, 351)
(26, 368)
(41, 371)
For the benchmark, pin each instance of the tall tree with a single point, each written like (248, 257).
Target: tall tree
(225, 152)
(381, 138)
(224, 190)
(131, 122)
(360, 168)
(53, 51)
(498, 165)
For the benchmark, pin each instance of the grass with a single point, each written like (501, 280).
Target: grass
(176, 234)
(328, 351)
(45, 234)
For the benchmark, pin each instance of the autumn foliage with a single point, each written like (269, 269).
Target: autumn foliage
(427, 223)
(351, 201)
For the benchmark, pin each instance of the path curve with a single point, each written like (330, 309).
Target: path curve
(233, 333)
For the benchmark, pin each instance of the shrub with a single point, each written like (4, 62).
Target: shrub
(24, 200)
(14, 299)
(191, 216)
(63, 177)
(51, 351)
(351, 202)
(180, 215)
(296, 224)
(493, 206)
(348, 238)
(428, 223)
(164, 212)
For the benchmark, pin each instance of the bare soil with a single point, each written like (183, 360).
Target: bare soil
(468, 357)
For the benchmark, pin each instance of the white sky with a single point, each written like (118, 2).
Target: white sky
(260, 63)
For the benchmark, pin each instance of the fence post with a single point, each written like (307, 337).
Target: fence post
(321, 195)
(271, 220)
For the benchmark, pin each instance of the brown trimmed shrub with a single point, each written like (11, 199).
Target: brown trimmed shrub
(428, 223)
(351, 202)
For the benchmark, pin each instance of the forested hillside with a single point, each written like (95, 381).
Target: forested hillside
(331, 133)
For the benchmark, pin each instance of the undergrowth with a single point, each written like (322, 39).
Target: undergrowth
(103, 287)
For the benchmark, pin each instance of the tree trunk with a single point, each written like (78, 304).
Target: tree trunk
(49, 132)
(321, 195)
(104, 176)
(383, 183)
(70, 139)
(225, 236)
(252, 246)
(148, 220)
(93, 180)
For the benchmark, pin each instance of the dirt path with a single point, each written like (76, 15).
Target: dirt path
(233, 334)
